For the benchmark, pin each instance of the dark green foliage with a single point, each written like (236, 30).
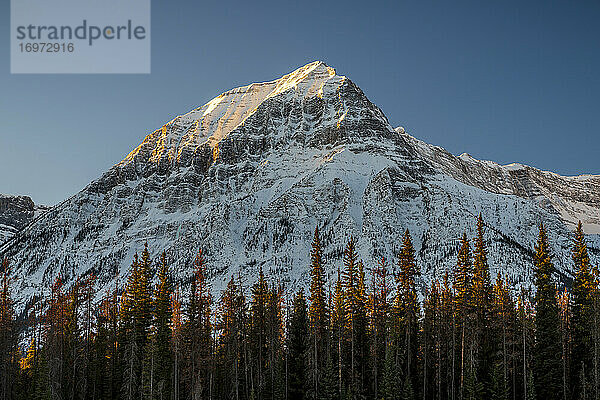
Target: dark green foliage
(548, 349)
(583, 321)
(318, 315)
(197, 333)
(162, 356)
(408, 313)
(297, 344)
(8, 337)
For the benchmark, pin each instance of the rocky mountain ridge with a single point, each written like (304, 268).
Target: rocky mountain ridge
(16, 212)
(249, 175)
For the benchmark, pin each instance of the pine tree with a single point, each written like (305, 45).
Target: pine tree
(483, 342)
(8, 337)
(55, 346)
(431, 343)
(564, 312)
(317, 314)
(258, 334)
(408, 306)
(502, 316)
(355, 305)
(198, 331)
(274, 381)
(548, 349)
(177, 326)
(379, 324)
(583, 329)
(105, 359)
(525, 337)
(463, 285)
(338, 323)
(498, 388)
(232, 339)
(447, 334)
(162, 334)
(298, 345)
(136, 319)
(391, 386)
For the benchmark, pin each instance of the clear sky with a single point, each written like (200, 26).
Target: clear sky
(509, 81)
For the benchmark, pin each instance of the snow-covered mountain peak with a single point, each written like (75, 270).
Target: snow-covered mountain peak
(215, 120)
(248, 176)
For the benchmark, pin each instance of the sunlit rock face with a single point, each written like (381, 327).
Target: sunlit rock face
(248, 176)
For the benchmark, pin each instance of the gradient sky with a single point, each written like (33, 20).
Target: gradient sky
(503, 81)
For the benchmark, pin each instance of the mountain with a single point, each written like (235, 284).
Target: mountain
(248, 176)
(15, 213)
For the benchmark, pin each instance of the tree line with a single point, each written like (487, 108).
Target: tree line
(367, 334)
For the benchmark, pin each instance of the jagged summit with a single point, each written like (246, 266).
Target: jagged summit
(15, 213)
(215, 120)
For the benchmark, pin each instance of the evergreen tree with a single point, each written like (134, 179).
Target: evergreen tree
(232, 339)
(198, 332)
(178, 344)
(564, 312)
(483, 341)
(8, 337)
(379, 324)
(274, 371)
(136, 318)
(463, 285)
(338, 323)
(298, 345)
(548, 349)
(105, 360)
(355, 306)
(258, 335)
(318, 315)
(409, 311)
(162, 335)
(431, 343)
(502, 316)
(525, 337)
(583, 327)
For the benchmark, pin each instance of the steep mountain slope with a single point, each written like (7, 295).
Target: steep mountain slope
(248, 176)
(15, 213)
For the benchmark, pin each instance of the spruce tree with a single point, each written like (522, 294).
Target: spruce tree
(298, 345)
(317, 314)
(379, 324)
(355, 320)
(463, 285)
(338, 323)
(583, 327)
(547, 371)
(136, 319)
(258, 335)
(198, 331)
(503, 314)
(483, 341)
(162, 338)
(8, 336)
(431, 343)
(409, 311)
(232, 342)
(274, 371)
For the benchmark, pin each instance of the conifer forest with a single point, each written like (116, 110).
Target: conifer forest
(368, 333)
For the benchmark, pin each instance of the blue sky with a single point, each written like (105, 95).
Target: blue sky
(505, 81)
